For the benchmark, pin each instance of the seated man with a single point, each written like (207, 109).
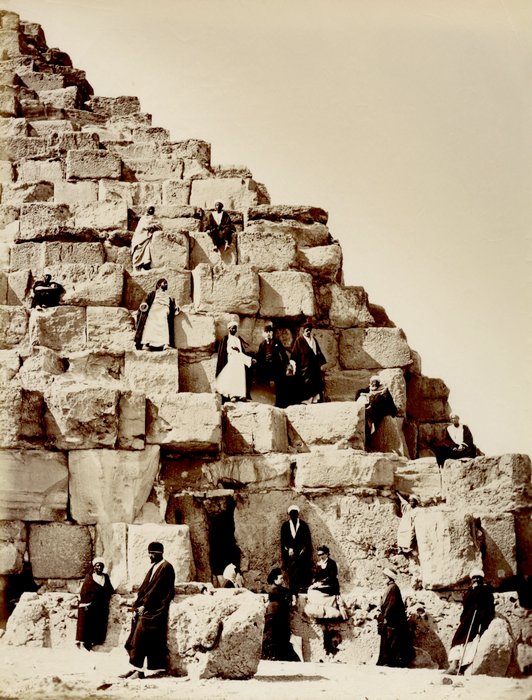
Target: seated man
(458, 442)
(46, 293)
(221, 229)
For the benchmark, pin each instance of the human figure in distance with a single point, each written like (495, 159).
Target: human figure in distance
(296, 551)
(272, 364)
(147, 639)
(458, 442)
(155, 319)
(306, 359)
(325, 577)
(142, 239)
(93, 608)
(46, 293)
(379, 404)
(276, 636)
(231, 367)
(396, 647)
(221, 230)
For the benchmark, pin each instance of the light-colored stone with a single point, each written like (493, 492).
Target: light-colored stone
(101, 215)
(263, 471)
(89, 164)
(495, 650)
(197, 374)
(280, 212)
(235, 192)
(177, 550)
(18, 287)
(40, 369)
(100, 366)
(110, 328)
(59, 550)
(500, 554)
(9, 365)
(447, 552)
(371, 348)
(250, 428)
(62, 98)
(27, 625)
(59, 328)
(110, 486)
(194, 332)
(322, 262)
(89, 285)
(159, 168)
(420, 477)
(339, 423)
(50, 127)
(42, 220)
(12, 546)
(266, 250)
(349, 307)
(176, 192)
(202, 250)
(170, 250)
(139, 284)
(286, 294)
(72, 192)
(111, 544)
(67, 253)
(47, 170)
(329, 468)
(116, 190)
(132, 420)
(13, 326)
(154, 374)
(30, 192)
(328, 343)
(232, 290)
(25, 256)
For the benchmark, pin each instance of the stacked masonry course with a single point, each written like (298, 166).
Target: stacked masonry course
(104, 448)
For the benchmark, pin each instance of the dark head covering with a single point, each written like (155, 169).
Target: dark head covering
(274, 573)
(156, 547)
(308, 324)
(324, 549)
(268, 327)
(151, 210)
(159, 282)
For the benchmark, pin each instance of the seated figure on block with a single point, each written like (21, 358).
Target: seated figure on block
(458, 442)
(46, 293)
(382, 432)
(221, 229)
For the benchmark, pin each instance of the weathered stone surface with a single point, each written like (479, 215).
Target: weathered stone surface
(72, 192)
(13, 326)
(154, 374)
(51, 127)
(40, 369)
(47, 170)
(266, 250)
(447, 552)
(28, 624)
(59, 328)
(13, 127)
(139, 284)
(197, 374)
(420, 477)
(12, 546)
(35, 485)
(279, 212)
(30, 192)
(9, 365)
(176, 192)
(286, 294)
(159, 168)
(496, 484)
(340, 423)
(329, 468)
(24, 256)
(41, 220)
(253, 471)
(18, 287)
(328, 343)
(20, 416)
(59, 550)
(233, 289)
(186, 422)
(81, 253)
(102, 366)
(170, 249)
(371, 348)
(110, 485)
(89, 285)
(235, 192)
(111, 544)
(322, 262)
(349, 307)
(101, 215)
(495, 650)
(81, 416)
(177, 550)
(110, 106)
(194, 332)
(500, 555)
(62, 98)
(88, 164)
(132, 420)
(110, 328)
(202, 250)
(254, 428)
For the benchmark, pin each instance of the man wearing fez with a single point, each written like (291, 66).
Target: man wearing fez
(221, 229)
(296, 551)
(272, 363)
(147, 639)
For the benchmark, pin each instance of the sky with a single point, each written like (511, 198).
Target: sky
(409, 121)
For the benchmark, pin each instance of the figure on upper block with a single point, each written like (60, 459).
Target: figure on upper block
(306, 360)
(142, 238)
(231, 368)
(46, 293)
(155, 320)
(221, 229)
(382, 433)
(272, 363)
(458, 442)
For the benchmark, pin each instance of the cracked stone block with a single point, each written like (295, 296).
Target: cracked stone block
(372, 348)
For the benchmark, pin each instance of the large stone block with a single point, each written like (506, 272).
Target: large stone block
(177, 550)
(420, 477)
(371, 348)
(110, 486)
(495, 650)
(111, 544)
(286, 294)
(9, 365)
(59, 328)
(42, 220)
(447, 551)
(154, 374)
(500, 542)
(89, 164)
(235, 192)
(51, 127)
(110, 328)
(176, 192)
(58, 550)
(266, 250)
(89, 285)
(280, 212)
(263, 471)
(19, 416)
(29, 192)
(322, 262)
(47, 170)
(12, 546)
(116, 190)
(139, 284)
(427, 399)
(340, 423)
(233, 289)
(331, 468)
(328, 343)
(18, 287)
(170, 250)
(72, 192)
(349, 307)
(57, 252)
(62, 98)
(197, 374)
(43, 81)
(132, 421)
(13, 326)
(496, 484)
(194, 333)
(40, 368)
(158, 168)
(101, 215)
(250, 428)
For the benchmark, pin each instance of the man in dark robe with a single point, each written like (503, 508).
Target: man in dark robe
(477, 613)
(93, 609)
(296, 551)
(147, 639)
(379, 404)
(276, 636)
(220, 228)
(325, 577)
(458, 442)
(155, 319)
(272, 363)
(46, 293)
(396, 647)
(308, 358)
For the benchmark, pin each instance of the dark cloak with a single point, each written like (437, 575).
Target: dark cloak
(477, 613)
(309, 380)
(396, 647)
(92, 621)
(299, 566)
(276, 637)
(272, 361)
(143, 315)
(221, 233)
(46, 294)
(448, 449)
(380, 404)
(327, 578)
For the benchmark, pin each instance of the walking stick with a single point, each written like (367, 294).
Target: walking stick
(466, 641)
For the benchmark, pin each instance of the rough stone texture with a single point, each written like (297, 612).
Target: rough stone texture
(177, 550)
(500, 555)
(253, 471)
(27, 626)
(20, 416)
(254, 428)
(194, 332)
(59, 328)
(34, 485)
(40, 369)
(170, 249)
(101, 216)
(89, 285)
(139, 284)
(13, 326)
(371, 348)
(154, 374)
(447, 552)
(58, 550)
(18, 289)
(72, 192)
(111, 544)
(349, 307)
(322, 262)
(88, 164)
(59, 252)
(232, 290)
(286, 294)
(9, 365)
(266, 250)
(131, 421)
(48, 170)
(12, 546)
(31, 192)
(280, 212)
(494, 651)
(110, 486)
(235, 192)
(328, 343)
(420, 477)
(176, 192)
(329, 468)
(339, 423)
(495, 484)
(110, 328)
(99, 366)
(41, 220)
(197, 375)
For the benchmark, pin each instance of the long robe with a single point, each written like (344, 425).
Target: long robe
(93, 611)
(379, 404)
(477, 612)
(326, 578)
(231, 368)
(167, 337)
(276, 636)
(46, 294)
(309, 380)
(141, 240)
(396, 646)
(272, 362)
(220, 233)
(298, 566)
(450, 450)
(147, 638)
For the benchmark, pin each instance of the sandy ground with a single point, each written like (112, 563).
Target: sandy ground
(31, 674)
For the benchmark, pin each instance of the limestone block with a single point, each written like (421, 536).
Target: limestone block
(8, 215)
(60, 550)
(6, 171)
(18, 287)
(202, 250)
(17, 147)
(9, 104)
(53, 252)
(349, 307)
(41, 220)
(40, 369)
(9, 365)
(12, 546)
(119, 254)
(9, 20)
(170, 250)
(10, 414)
(329, 468)
(192, 149)
(194, 332)
(110, 485)
(286, 294)
(29, 192)
(369, 348)
(250, 428)
(154, 374)
(523, 536)
(101, 215)
(340, 423)
(428, 433)
(132, 421)
(71, 192)
(176, 192)
(13, 127)
(322, 262)
(420, 477)
(185, 422)
(427, 399)
(89, 285)
(447, 552)
(3, 286)
(51, 127)
(197, 374)
(116, 190)
(235, 192)
(139, 284)
(48, 170)
(62, 98)
(266, 250)
(495, 484)
(159, 168)
(214, 637)
(110, 106)
(110, 327)
(81, 416)
(13, 325)
(263, 471)
(233, 289)
(100, 366)
(111, 544)
(177, 550)
(89, 164)
(305, 235)
(500, 541)
(495, 650)
(28, 624)
(151, 193)
(280, 212)
(42, 81)
(12, 44)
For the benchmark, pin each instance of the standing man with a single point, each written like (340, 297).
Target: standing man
(142, 239)
(221, 229)
(308, 359)
(272, 363)
(396, 647)
(231, 367)
(147, 639)
(296, 551)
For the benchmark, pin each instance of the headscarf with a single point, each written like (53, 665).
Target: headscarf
(229, 572)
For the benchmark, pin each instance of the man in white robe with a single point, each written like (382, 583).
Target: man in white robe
(231, 380)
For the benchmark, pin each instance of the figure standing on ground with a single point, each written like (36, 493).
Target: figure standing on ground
(296, 551)
(477, 613)
(221, 229)
(155, 320)
(396, 647)
(142, 239)
(272, 363)
(276, 637)
(379, 406)
(458, 442)
(46, 293)
(93, 609)
(231, 376)
(147, 639)
(308, 358)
